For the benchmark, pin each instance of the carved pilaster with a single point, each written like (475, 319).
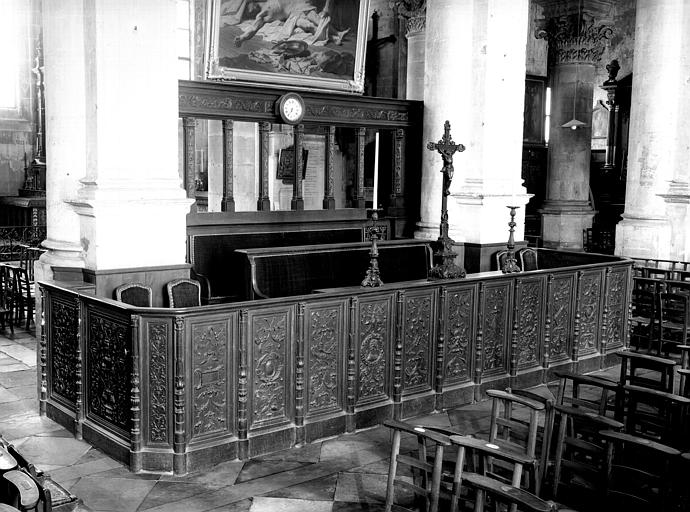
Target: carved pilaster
(440, 348)
(397, 194)
(398, 355)
(577, 30)
(228, 202)
(413, 13)
(478, 346)
(264, 201)
(299, 377)
(179, 466)
(79, 373)
(135, 438)
(297, 202)
(605, 316)
(514, 334)
(243, 445)
(44, 380)
(546, 356)
(351, 367)
(328, 199)
(576, 330)
(188, 130)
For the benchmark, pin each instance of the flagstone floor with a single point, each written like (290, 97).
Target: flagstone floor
(337, 475)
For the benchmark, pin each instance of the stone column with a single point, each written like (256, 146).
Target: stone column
(475, 78)
(63, 36)
(413, 15)
(576, 31)
(655, 220)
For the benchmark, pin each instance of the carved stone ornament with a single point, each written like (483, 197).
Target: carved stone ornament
(577, 32)
(413, 12)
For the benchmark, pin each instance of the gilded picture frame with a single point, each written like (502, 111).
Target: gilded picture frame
(289, 44)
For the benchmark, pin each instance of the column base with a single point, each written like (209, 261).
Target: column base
(644, 238)
(59, 254)
(563, 226)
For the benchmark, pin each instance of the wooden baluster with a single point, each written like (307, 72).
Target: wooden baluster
(351, 368)
(228, 202)
(297, 202)
(299, 378)
(359, 200)
(513, 360)
(398, 355)
(189, 129)
(43, 355)
(135, 436)
(440, 348)
(179, 458)
(478, 346)
(328, 199)
(243, 444)
(264, 202)
(546, 356)
(81, 339)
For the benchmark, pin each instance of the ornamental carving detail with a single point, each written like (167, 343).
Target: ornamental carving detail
(528, 323)
(458, 334)
(494, 328)
(268, 360)
(417, 348)
(373, 323)
(574, 37)
(63, 353)
(589, 299)
(617, 308)
(560, 304)
(158, 382)
(109, 363)
(209, 378)
(324, 359)
(356, 113)
(413, 12)
(216, 103)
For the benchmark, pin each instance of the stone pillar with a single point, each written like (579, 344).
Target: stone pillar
(655, 220)
(475, 78)
(413, 15)
(63, 36)
(576, 31)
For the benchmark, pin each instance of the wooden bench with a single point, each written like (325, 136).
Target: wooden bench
(288, 271)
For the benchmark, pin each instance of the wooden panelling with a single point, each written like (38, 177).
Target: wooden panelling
(373, 354)
(589, 311)
(529, 309)
(495, 313)
(418, 348)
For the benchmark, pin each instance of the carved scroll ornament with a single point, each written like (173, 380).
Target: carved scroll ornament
(574, 38)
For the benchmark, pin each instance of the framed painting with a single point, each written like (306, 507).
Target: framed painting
(293, 44)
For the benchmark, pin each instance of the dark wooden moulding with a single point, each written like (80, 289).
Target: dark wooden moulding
(179, 389)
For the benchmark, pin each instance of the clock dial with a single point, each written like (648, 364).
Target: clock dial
(292, 109)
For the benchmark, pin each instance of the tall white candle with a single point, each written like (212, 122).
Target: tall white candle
(376, 172)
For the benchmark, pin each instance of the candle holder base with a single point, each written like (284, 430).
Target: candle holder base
(447, 269)
(510, 265)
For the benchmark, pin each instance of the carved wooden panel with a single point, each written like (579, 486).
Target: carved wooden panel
(589, 303)
(269, 366)
(529, 323)
(418, 348)
(210, 373)
(460, 315)
(560, 308)
(617, 307)
(159, 338)
(64, 323)
(324, 345)
(496, 313)
(109, 369)
(373, 355)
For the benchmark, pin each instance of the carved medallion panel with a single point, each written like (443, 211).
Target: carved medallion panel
(324, 345)
(418, 347)
(459, 334)
(63, 349)
(617, 308)
(269, 367)
(210, 375)
(529, 333)
(373, 355)
(109, 369)
(560, 306)
(589, 302)
(158, 341)
(496, 312)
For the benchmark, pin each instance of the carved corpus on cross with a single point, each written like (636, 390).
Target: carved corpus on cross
(446, 268)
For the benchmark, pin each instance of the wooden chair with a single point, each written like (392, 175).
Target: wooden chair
(184, 293)
(644, 318)
(23, 296)
(472, 480)
(430, 472)
(674, 321)
(6, 297)
(591, 393)
(528, 259)
(639, 473)
(658, 371)
(136, 294)
(23, 490)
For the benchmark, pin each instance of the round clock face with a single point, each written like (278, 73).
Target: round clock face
(291, 108)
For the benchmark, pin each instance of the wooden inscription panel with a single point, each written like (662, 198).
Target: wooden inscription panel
(418, 341)
(270, 366)
(616, 307)
(374, 346)
(530, 335)
(559, 310)
(589, 309)
(62, 348)
(325, 344)
(460, 333)
(496, 313)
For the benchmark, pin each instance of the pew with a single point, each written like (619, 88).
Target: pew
(287, 271)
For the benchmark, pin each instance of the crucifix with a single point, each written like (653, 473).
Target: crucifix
(446, 268)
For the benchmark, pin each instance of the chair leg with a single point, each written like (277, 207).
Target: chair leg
(390, 489)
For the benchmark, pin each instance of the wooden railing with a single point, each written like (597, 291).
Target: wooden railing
(177, 389)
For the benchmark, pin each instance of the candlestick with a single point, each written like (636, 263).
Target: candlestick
(510, 265)
(372, 277)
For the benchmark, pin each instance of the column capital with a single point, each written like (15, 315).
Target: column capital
(577, 30)
(414, 14)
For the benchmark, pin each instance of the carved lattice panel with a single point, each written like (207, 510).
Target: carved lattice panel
(495, 317)
(210, 375)
(560, 308)
(159, 339)
(63, 341)
(109, 369)
(373, 350)
(270, 360)
(324, 358)
(589, 302)
(530, 322)
(459, 335)
(617, 308)
(418, 342)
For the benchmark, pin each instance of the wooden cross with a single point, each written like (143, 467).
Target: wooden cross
(447, 148)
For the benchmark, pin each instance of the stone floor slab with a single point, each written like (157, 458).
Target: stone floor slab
(258, 468)
(218, 476)
(110, 495)
(319, 489)
(53, 450)
(92, 468)
(11, 380)
(164, 493)
(289, 505)
(20, 353)
(307, 453)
